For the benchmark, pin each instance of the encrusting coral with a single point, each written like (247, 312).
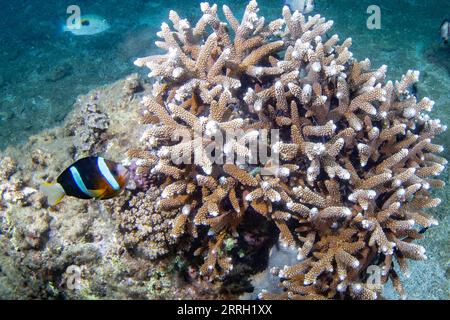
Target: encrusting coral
(90, 129)
(357, 160)
(145, 229)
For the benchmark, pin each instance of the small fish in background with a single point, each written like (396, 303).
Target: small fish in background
(303, 6)
(445, 30)
(87, 178)
(90, 24)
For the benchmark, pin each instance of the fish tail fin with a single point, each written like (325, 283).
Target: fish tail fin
(53, 191)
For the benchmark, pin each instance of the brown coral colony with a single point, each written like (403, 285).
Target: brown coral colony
(356, 157)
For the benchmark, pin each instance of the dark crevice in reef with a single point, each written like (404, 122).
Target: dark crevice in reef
(250, 253)
(257, 236)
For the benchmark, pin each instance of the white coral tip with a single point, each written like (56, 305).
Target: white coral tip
(204, 6)
(186, 209)
(341, 287)
(316, 66)
(313, 212)
(357, 287)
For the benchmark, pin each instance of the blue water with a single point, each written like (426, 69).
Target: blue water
(43, 70)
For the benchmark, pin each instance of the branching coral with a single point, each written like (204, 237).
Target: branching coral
(356, 157)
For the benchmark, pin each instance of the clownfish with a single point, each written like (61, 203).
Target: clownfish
(87, 178)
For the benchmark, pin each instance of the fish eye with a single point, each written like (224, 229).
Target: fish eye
(85, 23)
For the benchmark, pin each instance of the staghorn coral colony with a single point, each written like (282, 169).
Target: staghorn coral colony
(357, 161)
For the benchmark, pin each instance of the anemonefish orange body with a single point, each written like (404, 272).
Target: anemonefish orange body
(87, 178)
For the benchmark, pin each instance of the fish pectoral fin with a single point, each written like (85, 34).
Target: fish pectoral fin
(97, 194)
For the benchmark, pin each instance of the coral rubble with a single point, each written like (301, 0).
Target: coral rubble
(357, 161)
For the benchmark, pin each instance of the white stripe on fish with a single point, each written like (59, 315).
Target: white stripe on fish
(79, 182)
(106, 173)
